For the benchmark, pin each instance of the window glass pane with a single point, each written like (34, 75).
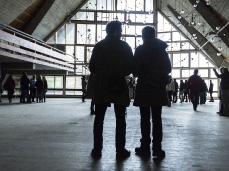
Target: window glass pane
(70, 82)
(176, 36)
(175, 46)
(139, 5)
(61, 35)
(70, 50)
(185, 46)
(186, 73)
(185, 59)
(194, 60)
(90, 34)
(89, 52)
(70, 33)
(149, 5)
(59, 82)
(81, 33)
(176, 60)
(50, 81)
(73, 92)
(176, 73)
(101, 32)
(203, 72)
(131, 42)
(164, 36)
(80, 53)
(202, 61)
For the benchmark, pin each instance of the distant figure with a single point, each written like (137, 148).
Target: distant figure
(84, 88)
(195, 83)
(24, 85)
(224, 85)
(170, 88)
(220, 112)
(131, 87)
(210, 90)
(181, 92)
(90, 88)
(149, 96)
(186, 92)
(45, 89)
(9, 87)
(32, 89)
(40, 85)
(111, 63)
(203, 91)
(175, 91)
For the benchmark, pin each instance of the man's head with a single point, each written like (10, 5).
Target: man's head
(34, 76)
(225, 70)
(148, 32)
(210, 81)
(195, 71)
(114, 28)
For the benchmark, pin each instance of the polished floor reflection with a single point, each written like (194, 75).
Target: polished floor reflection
(57, 135)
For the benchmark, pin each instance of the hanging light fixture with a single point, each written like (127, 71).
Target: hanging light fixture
(192, 23)
(218, 54)
(195, 5)
(197, 1)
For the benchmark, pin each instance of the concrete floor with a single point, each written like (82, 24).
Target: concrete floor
(57, 136)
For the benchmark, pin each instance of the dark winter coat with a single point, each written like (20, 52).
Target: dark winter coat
(10, 84)
(24, 82)
(40, 85)
(195, 83)
(211, 87)
(108, 56)
(151, 50)
(224, 83)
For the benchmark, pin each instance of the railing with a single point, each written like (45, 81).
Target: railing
(18, 45)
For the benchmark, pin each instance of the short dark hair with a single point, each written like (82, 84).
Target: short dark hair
(112, 26)
(195, 71)
(148, 32)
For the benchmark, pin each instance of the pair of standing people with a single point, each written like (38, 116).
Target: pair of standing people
(111, 61)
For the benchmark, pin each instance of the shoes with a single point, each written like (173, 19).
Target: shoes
(218, 113)
(123, 154)
(141, 151)
(194, 108)
(92, 113)
(159, 154)
(96, 153)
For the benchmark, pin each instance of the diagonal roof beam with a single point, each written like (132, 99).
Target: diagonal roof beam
(35, 21)
(210, 17)
(209, 49)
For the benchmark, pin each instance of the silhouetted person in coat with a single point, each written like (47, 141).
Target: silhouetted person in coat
(150, 98)
(111, 63)
(195, 83)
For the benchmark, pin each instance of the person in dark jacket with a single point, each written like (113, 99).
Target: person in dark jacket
(32, 89)
(181, 92)
(203, 91)
(24, 85)
(45, 88)
(39, 85)
(10, 86)
(175, 91)
(186, 91)
(220, 112)
(84, 87)
(224, 85)
(148, 97)
(195, 83)
(111, 63)
(210, 90)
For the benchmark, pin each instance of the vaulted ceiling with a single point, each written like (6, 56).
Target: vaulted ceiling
(42, 18)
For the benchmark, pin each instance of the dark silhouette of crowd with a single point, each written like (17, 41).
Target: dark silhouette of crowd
(36, 87)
